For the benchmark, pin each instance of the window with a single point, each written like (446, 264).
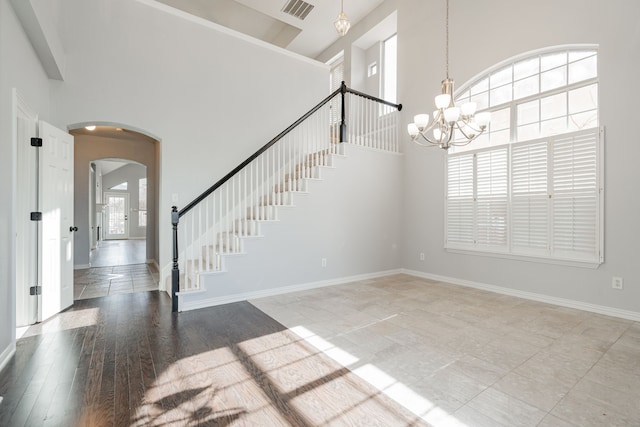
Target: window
(532, 187)
(142, 202)
(390, 69)
(372, 69)
(540, 95)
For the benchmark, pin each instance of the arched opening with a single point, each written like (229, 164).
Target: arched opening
(117, 238)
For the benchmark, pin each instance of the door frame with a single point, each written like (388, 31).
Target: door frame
(127, 213)
(25, 201)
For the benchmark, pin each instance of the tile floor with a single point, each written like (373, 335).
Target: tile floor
(457, 356)
(103, 281)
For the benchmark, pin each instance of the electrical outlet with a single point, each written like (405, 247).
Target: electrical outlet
(421, 256)
(324, 262)
(617, 283)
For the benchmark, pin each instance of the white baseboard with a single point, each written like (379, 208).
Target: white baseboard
(563, 302)
(210, 302)
(81, 266)
(6, 355)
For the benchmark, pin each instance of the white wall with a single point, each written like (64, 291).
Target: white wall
(485, 33)
(372, 83)
(212, 98)
(19, 69)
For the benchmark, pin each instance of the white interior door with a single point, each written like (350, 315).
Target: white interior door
(117, 215)
(56, 205)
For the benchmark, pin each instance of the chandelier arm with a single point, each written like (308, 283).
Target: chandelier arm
(429, 143)
(472, 137)
(461, 144)
(472, 125)
(426, 138)
(430, 127)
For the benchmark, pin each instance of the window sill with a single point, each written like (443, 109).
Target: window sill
(528, 258)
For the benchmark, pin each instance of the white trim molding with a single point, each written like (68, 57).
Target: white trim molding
(563, 302)
(210, 302)
(7, 354)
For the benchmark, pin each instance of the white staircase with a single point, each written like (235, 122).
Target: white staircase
(217, 228)
(209, 257)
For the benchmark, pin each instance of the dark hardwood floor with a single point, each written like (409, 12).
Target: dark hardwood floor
(126, 360)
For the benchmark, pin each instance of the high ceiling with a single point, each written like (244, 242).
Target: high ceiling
(266, 20)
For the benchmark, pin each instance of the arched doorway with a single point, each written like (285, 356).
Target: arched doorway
(113, 253)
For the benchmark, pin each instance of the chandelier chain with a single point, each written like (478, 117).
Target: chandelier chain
(447, 41)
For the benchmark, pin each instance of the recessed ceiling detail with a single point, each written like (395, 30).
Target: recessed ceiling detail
(298, 8)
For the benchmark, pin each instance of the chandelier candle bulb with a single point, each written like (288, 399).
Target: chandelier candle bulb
(413, 130)
(468, 109)
(452, 114)
(443, 101)
(421, 121)
(483, 119)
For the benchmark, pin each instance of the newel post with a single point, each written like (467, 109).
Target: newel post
(175, 272)
(343, 123)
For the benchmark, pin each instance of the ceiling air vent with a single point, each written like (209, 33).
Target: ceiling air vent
(298, 8)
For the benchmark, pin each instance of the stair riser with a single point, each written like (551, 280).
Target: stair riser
(262, 213)
(277, 199)
(291, 185)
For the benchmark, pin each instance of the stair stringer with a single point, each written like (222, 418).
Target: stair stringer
(351, 218)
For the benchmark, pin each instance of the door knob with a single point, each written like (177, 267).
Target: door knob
(73, 228)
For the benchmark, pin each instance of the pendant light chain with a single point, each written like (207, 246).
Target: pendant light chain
(447, 41)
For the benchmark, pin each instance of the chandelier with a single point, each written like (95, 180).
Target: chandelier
(451, 125)
(342, 24)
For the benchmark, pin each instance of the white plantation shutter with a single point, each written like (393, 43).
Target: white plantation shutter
(575, 198)
(529, 199)
(460, 218)
(492, 180)
(336, 75)
(538, 198)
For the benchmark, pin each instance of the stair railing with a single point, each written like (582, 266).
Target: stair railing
(229, 210)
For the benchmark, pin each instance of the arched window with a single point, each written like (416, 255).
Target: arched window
(540, 94)
(531, 185)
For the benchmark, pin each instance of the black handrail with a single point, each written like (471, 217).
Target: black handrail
(373, 98)
(176, 215)
(255, 155)
(343, 89)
